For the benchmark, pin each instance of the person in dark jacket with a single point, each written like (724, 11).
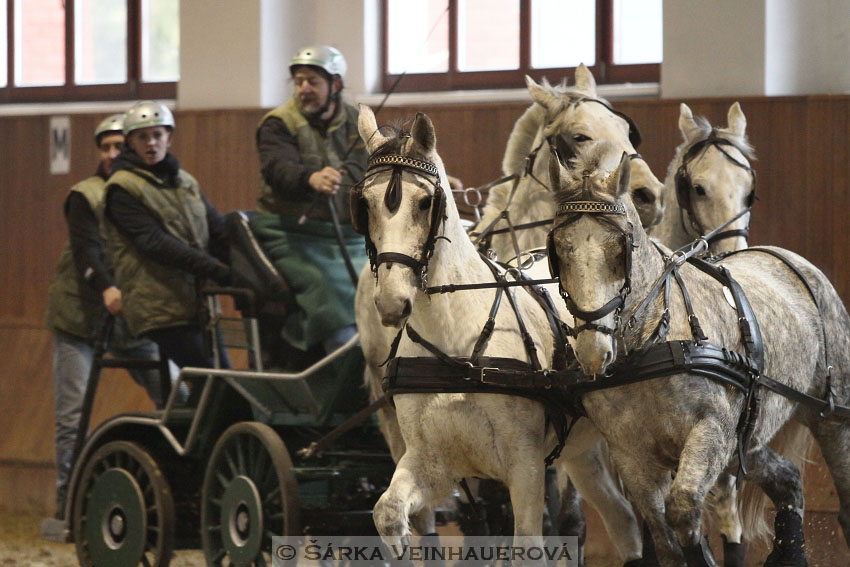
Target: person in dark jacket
(311, 155)
(165, 238)
(82, 293)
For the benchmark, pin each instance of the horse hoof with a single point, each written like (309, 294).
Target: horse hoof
(789, 543)
(699, 555)
(733, 554)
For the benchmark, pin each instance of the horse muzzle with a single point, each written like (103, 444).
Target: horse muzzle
(594, 351)
(396, 289)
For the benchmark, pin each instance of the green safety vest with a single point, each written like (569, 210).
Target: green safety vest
(157, 296)
(317, 151)
(73, 306)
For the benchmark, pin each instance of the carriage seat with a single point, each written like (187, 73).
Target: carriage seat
(255, 270)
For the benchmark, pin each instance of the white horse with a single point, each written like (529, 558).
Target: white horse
(532, 201)
(572, 118)
(709, 182)
(448, 437)
(686, 422)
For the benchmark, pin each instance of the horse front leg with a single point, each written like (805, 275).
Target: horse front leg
(407, 495)
(592, 476)
(646, 485)
(527, 490)
(724, 507)
(705, 452)
(780, 479)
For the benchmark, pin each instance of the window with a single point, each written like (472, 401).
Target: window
(79, 50)
(471, 44)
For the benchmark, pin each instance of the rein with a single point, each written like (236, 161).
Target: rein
(443, 373)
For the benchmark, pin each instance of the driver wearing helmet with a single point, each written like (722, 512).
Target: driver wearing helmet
(164, 236)
(311, 143)
(310, 155)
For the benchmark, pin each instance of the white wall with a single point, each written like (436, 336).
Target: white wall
(755, 47)
(713, 48)
(236, 53)
(807, 47)
(219, 54)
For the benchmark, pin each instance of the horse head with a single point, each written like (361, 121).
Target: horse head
(590, 248)
(402, 208)
(576, 117)
(714, 180)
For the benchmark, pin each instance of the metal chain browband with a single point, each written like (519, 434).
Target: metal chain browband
(600, 207)
(405, 161)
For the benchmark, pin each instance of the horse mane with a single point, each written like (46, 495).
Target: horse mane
(397, 137)
(522, 138)
(587, 173)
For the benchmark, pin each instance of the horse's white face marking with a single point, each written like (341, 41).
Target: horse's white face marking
(592, 271)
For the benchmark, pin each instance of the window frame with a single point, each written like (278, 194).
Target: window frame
(133, 88)
(605, 71)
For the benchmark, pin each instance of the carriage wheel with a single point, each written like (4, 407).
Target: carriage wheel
(123, 510)
(249, 495)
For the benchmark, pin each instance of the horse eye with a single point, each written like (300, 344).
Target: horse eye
(642, 196)
(425, 203)
(581, 138)
(751, 198)
(700, 190)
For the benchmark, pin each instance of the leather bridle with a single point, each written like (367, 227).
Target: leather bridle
(684, 187)
(399, 164)
(600, 211)
(565, 149)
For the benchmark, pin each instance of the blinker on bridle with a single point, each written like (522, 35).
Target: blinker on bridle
(684, 187)
(392, 200)
(599, 211)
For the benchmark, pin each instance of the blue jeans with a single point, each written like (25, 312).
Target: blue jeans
(72, 364)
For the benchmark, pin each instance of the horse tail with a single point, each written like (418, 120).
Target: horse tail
(522, 138)
(794, 442)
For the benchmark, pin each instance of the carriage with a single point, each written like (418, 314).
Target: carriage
(236, 461)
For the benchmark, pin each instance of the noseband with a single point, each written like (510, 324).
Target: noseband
(684, 187)
(599, 211)
(392, 199)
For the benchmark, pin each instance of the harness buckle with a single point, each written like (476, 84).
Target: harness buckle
(482, 375)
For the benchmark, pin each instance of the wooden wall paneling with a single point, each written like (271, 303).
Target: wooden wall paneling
(837, 210)
(816, 168)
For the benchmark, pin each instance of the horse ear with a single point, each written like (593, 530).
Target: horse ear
(368, 127)
(541, 95)
(620, 178)
(687, 125)
(423, 133)
(585, 81)
(736, 120)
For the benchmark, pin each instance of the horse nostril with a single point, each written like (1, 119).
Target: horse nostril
(609, 356)
(408, 308)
